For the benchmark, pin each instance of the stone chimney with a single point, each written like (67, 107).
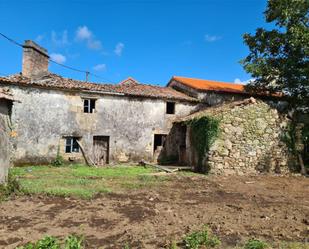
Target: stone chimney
(35, 60)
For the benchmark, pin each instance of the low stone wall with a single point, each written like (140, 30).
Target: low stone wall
(250, 141)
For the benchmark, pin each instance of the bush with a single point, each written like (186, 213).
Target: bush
(201, 238)
(12, 186)
(255, 244)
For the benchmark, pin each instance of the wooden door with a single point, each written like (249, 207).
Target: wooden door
(101, 150)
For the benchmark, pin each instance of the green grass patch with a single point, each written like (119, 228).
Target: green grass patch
(83, 181)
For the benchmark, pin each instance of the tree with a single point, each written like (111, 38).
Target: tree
(279, 58)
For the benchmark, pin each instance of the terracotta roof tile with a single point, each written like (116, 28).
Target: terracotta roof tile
(210, 85)
(139, 90)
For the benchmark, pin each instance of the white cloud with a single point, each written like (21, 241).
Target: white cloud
(212, 38)
(119, 48)
(94, 44)
(100, 67)
(60, 39)
(245, 82)
(59, 58)
(83, 33)
(39, 38)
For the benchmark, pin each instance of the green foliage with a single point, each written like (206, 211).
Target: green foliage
(59, 159)
(74, 242)
(279, 58)
(173, 245)
(12, 186)
(289, 137)
(50, 242)
(255, 244)
(127, 246)
(201, 238)
(204, 132)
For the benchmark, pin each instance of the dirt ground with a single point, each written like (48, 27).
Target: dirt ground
(235, 208)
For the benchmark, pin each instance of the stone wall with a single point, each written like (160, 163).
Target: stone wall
(4, 140)
(250, 141)
(45, 117)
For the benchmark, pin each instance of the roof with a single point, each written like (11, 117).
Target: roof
(210, 85)
(136, 89)
(218, 109)
(5, 94)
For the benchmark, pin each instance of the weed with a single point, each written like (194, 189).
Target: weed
(127, 246)
(59, 159)
(12, 186)
(201, 238)
(50, 242)
(74, 242)
(255, 244)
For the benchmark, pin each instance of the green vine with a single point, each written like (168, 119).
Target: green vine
(289, 137)
(204, 132)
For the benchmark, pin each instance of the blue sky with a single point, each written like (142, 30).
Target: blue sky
(148, 40)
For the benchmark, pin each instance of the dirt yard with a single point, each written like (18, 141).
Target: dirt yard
(236, 208)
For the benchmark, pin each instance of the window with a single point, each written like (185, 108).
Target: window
(170, 108)
(89, 105)
(71, 145)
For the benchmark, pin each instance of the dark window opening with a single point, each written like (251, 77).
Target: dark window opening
(159, 140)
(170, 108)
(71, 145)
(89, 105)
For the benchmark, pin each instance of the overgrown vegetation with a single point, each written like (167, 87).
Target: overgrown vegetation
(289, 137)
(83, 181)
(59, 159)
(50, 242)
(255, 244)
(11, 186)
(204, 132)
(201, 238)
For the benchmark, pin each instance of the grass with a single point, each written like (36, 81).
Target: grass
(83, 181)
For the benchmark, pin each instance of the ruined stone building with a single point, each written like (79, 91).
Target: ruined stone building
(102, 123)
(5, 111)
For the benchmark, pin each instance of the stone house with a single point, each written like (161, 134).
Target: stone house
(6, 100)
(80, 120)
(249, 139)
(128, 121)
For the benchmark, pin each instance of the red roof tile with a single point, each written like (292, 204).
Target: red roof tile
(210, 85)
(139, 90)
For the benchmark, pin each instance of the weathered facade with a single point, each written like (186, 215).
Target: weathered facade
(130, 121)
(250, 139)
(79, 120)
(5, 151)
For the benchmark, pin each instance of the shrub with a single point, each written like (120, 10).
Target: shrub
(201, 238)
(255, 244)
(12, 186)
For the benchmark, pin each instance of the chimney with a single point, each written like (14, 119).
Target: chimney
(35, 60)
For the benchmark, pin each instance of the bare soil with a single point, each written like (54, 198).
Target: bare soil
(236, 208)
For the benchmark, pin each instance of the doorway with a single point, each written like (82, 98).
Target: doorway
(101, 150)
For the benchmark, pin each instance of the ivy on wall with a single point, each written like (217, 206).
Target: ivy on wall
(204, 132)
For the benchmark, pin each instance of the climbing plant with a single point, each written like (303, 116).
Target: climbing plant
(204, 132)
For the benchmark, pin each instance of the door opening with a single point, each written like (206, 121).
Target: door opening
(101, 150)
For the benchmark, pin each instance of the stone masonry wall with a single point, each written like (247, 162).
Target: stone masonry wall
(45, 117)
(4, 140)
(250, 141)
